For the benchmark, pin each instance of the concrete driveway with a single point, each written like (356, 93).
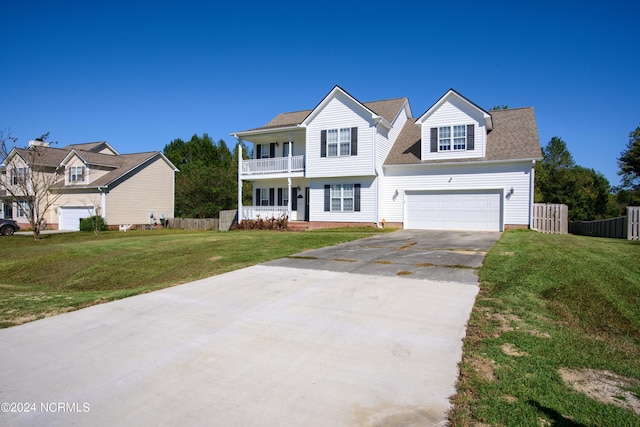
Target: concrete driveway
(342, 336)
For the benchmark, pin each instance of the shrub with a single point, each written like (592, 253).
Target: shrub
(273, 223)
(94, 223)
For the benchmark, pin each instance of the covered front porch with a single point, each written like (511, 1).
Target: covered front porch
(275, 198)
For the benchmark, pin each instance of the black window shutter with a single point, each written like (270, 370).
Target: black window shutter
(279, 196)
(470, 137)
(258, 151)
(327, 198)
(323, 143)
(434, 140)
(294, 202)
(272, 192)
(354, 141)
(258, 200)
(272, 150)
(356, 197)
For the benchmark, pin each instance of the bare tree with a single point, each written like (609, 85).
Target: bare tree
(29, 176)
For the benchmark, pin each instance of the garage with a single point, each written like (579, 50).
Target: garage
(70, 216)
(454, 210)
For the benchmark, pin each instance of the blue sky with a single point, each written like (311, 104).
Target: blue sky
(140, 74)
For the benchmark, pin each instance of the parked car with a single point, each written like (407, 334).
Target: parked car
(8, 227)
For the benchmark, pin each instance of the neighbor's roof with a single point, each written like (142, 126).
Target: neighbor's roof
(514, 136)
(122, 164)
(388, 109)
(43, 156)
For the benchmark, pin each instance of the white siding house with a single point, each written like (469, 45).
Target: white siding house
(455, 167)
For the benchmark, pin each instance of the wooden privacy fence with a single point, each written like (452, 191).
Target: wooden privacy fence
(550, 218)
(227, 219)
(194, 224)
(224, 223)
(624, 227)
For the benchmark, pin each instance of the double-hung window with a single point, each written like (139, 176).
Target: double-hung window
(264, 151)
(18, 175)
(76, 173)
(339, 142)
(460, 137)
(457, 133)
(23, 208)
(342, 198)
(264, 197)
(444, 138)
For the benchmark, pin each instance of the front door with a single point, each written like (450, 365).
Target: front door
(306, 204)
(8, 210)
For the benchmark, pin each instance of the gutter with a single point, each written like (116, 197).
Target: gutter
(459, 163)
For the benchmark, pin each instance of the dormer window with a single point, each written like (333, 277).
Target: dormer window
(76, 174)
(459, 133)
(452, 138)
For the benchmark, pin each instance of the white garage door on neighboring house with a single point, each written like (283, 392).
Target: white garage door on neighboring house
(70, 216)
(456, 210)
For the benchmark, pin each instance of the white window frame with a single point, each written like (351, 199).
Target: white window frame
(18, 175)
(23, 208)
(459, 137)
(74, 176)
(265, 151)
(452, 138)
(285, 196)
(339, 142)
(264, 197)
(342, 195)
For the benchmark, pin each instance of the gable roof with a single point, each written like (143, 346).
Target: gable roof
(388, 109)
(514, 137)
(93, 146)
(121, 164)
(39, 156)
(452, 93)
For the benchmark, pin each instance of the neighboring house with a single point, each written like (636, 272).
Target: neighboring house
(94, 179)
(455, 167)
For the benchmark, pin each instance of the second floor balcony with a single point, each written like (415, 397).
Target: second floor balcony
(273, 165)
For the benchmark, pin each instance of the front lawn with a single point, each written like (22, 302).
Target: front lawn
(64, 272)
(554, 337)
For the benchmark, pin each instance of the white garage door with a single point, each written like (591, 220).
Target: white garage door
(70, 216)
(459, 210)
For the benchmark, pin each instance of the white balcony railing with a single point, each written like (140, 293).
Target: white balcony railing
(264, 212)
(274, 165)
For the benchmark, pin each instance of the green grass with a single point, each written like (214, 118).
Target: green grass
(64, 272)
(549, 302)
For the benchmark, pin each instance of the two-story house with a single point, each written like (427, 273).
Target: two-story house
(455, 167)
(89, 179)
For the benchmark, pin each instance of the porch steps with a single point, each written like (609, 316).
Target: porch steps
(297, 226)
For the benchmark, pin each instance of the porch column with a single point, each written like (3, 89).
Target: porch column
(239, 180)
(289, 198)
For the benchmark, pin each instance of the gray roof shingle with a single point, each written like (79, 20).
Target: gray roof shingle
(121, 163)
(388, 109)
(514, 136)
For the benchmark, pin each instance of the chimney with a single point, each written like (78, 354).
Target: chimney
(38, 143)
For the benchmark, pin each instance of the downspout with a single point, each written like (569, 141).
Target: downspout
(533, 192)
(103, 201)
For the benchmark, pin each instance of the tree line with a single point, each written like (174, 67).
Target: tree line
(207, 181)
(586, 192)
